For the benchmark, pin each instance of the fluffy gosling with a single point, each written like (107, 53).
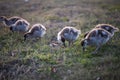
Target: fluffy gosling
(96, 37)
(108, 28)
(69, 34)
(20, 26)
(9, 21)
(111, 29)
(36, 31)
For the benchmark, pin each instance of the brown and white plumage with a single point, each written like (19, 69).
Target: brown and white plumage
(108, 28)
(96, 37)
(9, 21)
(21, 25)
(36, 31)
(69, 34)
(111, 29)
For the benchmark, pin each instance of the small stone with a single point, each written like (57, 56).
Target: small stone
(98, 78)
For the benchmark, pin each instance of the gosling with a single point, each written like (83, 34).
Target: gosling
(20, 26)
(111, 29)
(9, 21)
(96, 37)
(108, 28)
(69, 34)
(36, 31)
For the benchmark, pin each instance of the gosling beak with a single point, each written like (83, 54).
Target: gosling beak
(11, 29)
(24, 37)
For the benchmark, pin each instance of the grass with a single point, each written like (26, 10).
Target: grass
(23, 60)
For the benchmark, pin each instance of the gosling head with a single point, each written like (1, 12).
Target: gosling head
(115, 29)
(27, 36)
(13, 28)
(2, 18)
